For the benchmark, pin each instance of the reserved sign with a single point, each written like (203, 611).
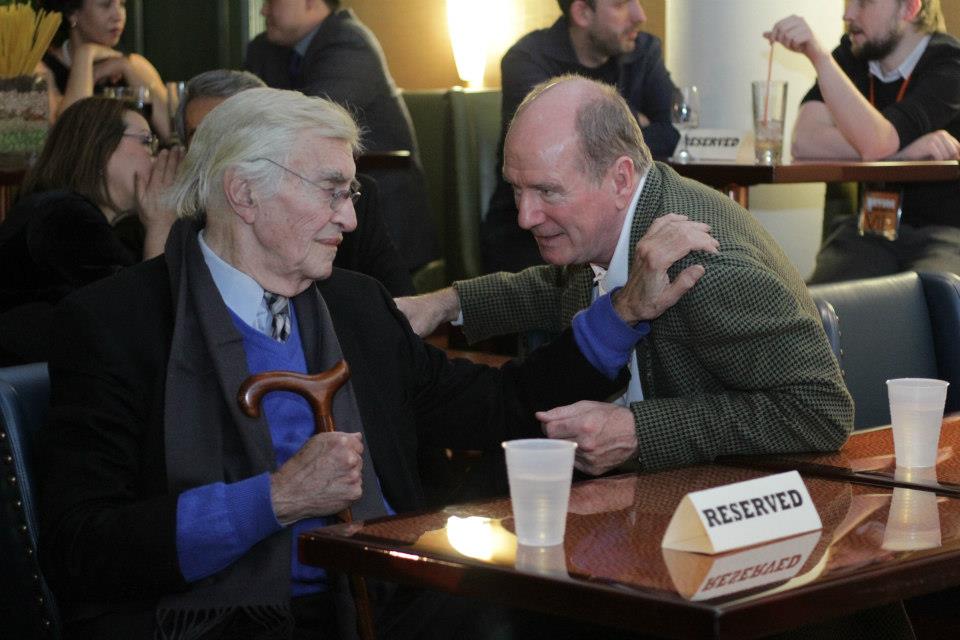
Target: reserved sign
(700, 577)
(712, 144)
(742, 514)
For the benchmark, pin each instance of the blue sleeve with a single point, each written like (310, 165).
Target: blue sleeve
(605, 340)
(218, 523)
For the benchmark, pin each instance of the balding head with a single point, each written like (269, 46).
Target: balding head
(595, 113)
(574, 154)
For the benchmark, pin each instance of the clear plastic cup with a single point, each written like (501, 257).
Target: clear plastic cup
(916, 411)
(539, 471)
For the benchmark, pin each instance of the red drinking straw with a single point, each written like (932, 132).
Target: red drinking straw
(766, 96)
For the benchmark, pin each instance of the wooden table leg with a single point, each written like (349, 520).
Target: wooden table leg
(739, 193)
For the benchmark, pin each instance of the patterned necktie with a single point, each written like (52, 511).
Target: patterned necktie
(279, 307)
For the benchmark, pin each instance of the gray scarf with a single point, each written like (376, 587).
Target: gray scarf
(208, 439)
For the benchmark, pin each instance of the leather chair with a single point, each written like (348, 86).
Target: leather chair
(472, 176)
(901, 326)
(431, 125)
(27, 607)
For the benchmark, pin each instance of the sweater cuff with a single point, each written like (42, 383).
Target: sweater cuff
(218, 523)
(605, 340)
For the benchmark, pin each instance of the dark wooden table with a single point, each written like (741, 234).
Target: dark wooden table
(611, 569)
(734, 179)
(867, 458)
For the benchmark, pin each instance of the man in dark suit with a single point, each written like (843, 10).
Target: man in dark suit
(315, 47)
(164, 509)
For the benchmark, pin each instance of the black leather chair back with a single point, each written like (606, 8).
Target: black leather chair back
(901, 326)
(27, 607)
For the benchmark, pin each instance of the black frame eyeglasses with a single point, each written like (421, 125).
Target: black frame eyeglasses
(149, 140)
(337, 196)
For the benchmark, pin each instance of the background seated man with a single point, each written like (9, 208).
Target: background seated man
(740, 365)
(165, 510)
(368, 248)
(318, 48)
(891, 90)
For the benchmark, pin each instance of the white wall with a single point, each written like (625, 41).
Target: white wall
(718, 46)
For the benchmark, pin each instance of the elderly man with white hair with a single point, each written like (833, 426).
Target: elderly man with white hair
(167, 511)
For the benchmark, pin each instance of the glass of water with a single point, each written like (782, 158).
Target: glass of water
(685, 115)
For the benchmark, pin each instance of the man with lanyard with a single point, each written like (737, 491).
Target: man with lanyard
(598, 39)
(890, 91)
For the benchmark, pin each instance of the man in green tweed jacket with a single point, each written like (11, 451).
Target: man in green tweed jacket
(739, 365)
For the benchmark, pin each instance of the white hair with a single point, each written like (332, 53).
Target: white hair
(243, 130)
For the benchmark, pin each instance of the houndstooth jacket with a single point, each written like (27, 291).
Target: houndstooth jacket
(740, 365)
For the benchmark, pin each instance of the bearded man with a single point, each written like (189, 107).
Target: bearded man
(890, 91)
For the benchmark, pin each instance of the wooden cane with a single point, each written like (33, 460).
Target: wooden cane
(318, 390)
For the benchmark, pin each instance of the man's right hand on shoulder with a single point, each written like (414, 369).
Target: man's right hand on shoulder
(322, 478)
(649, 291)
(428, 311)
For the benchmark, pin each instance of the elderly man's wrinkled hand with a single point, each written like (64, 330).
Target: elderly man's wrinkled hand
(324, 477)
(604, 433)
(649, 291)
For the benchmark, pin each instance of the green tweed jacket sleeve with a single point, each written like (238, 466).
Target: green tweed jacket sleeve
(739, 366)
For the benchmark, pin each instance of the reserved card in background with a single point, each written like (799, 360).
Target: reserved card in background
(742, 514)
(713, 144)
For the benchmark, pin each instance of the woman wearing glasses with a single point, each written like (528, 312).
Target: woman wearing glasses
(86, 62)
(97, 172)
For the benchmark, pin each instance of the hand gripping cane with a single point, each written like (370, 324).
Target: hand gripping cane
(318, 390)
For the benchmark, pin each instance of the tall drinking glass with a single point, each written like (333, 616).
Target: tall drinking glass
(175, 93)
(685, 115)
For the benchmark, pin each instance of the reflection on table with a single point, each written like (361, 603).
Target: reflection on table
(867, 457)
(734, 179)
(612, 570)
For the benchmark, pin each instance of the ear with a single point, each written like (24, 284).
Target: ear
(910, 9)
(623, 174)
(240, 195)
(581, 14)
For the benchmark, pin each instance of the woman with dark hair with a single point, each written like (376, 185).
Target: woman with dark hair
(85, 62)
(97, 169)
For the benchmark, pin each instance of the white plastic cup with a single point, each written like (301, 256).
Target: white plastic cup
(539, 471)
(916, 411)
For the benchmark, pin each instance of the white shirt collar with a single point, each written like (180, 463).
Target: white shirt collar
(240, 292)
(304, 43)
(906, 67)
(615, 275)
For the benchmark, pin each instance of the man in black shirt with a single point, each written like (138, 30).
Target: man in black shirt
(891, 90)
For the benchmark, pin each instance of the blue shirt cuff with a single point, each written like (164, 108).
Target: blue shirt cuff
(605, 340)
(218, 523)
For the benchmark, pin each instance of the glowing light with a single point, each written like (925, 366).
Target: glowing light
(480, 538)
(475, 29)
